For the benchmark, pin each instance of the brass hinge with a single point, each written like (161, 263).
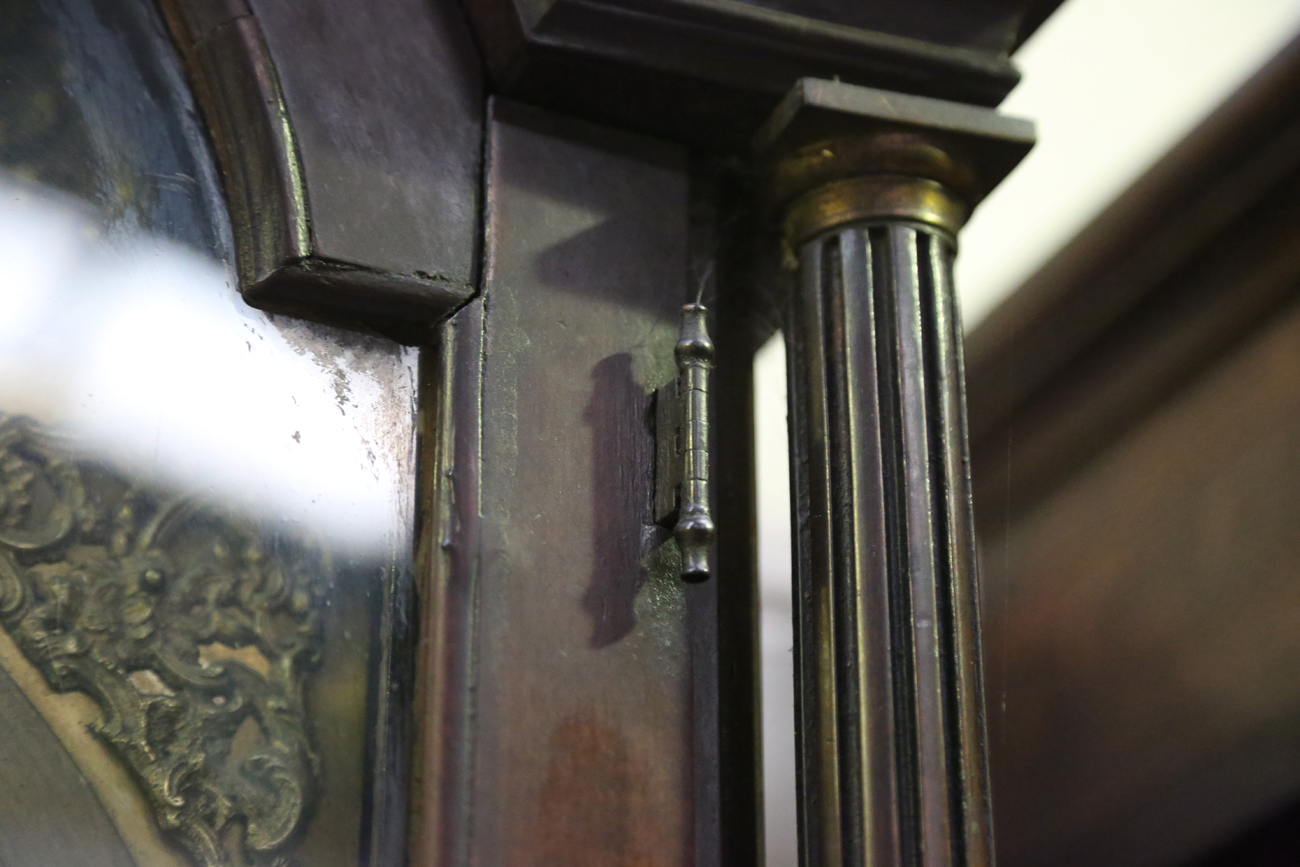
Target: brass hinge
(682, 446)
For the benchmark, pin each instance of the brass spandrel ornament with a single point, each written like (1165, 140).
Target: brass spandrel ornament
(193, 640)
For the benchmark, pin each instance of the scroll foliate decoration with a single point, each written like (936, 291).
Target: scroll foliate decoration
(191, 637)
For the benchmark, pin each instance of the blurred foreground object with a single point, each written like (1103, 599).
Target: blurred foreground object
(1135, 429)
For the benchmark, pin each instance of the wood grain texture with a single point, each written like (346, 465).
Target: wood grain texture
(1145, 701)
(586, 646)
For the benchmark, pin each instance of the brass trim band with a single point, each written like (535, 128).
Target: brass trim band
(873, 197)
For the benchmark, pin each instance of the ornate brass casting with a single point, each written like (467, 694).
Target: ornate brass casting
(192, 639)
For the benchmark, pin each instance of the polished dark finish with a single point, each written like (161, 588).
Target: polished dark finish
(889, 712)
(448, 557)
(591, 664)
(575, 702)
(349, 138)
(1140, 629)
(981, 24)
(870, 188)
(728, 255)
(238, 91)
(708, 72)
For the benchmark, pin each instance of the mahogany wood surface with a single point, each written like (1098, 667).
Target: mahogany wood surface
(1135, 423)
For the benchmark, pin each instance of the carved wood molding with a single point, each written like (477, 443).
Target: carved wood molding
(348, 138)
(707, 72)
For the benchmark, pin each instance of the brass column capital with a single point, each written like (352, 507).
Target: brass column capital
(834, 154)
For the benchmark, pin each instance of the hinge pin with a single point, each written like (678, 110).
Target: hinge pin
(694, 531)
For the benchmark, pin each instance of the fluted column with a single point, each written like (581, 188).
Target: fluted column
(889, 717)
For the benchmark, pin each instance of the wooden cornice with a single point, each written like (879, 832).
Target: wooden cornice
(707, 72)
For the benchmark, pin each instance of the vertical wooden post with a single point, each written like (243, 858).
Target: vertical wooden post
(872, 188)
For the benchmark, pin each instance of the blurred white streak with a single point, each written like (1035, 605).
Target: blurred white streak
(141, 352)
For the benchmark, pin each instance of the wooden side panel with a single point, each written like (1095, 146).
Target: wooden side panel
(1142, 652)
(587, 643)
